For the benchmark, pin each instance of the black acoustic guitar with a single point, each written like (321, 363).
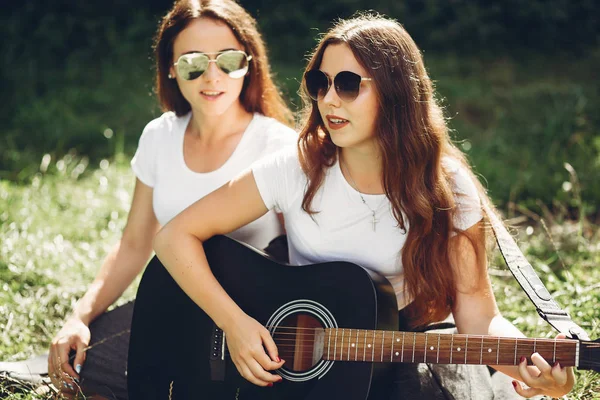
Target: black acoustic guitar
(334, 323)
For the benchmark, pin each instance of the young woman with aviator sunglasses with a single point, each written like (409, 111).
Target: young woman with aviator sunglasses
(223, 112)
(375, 180)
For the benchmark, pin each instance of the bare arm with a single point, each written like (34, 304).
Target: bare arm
(475, 311)
(126, 260)
(179, 247)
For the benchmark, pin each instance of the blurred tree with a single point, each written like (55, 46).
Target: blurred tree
(71, 71)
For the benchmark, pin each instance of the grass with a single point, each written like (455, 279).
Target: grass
(54, 234)
(55, 230)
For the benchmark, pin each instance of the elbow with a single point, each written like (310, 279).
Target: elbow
(168, 238)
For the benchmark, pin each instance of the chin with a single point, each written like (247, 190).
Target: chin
(347, 140)
(340, 139)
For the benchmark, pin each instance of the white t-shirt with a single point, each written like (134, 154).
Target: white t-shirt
(159, 163)
(342, 230)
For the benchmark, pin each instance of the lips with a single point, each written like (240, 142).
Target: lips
(336, 122)
(211, 94)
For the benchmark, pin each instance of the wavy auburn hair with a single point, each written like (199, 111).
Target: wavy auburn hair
(259, 93)
(413, 138)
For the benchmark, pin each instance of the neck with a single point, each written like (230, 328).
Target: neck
(389, 346)
(212, 127)
(362, 169)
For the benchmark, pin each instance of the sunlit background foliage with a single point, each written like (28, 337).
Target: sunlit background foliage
(519, 82)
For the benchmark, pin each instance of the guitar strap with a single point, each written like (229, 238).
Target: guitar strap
(522, 270)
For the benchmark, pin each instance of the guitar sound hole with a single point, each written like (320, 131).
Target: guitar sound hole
(300, 340)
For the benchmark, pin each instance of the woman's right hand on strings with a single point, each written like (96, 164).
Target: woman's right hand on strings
(74, 335)
(247, 341)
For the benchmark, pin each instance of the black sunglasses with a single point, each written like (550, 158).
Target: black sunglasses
(233, 62)
(346, 84)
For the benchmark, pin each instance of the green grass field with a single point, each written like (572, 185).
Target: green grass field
(55, 231)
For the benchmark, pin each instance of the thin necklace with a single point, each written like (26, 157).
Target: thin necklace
(373, 211)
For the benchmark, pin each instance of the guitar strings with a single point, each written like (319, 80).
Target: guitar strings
(307, 338)
(459, 336)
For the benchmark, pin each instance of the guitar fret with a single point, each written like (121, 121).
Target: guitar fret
(425, 353)
(365, 348)
(481, 352)
(329, 345)
(382, 342)
(437, 358)
(403, 337)
(554, 353)
(356, 352)
(349, 343)
(342, 346)
(373, 348)
(414, 343)
(498, 353)
(516, 344)
(534, 344)
(466, 347)
(335, 344)
(392, 354)
(349, 340)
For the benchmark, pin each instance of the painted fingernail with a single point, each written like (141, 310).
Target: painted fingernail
(65, 385)
(270, 384)
(277, 359)
(78, 368)
(70, 386)
(76, 380)
(514, 384)
(556, 364)
(523, 359)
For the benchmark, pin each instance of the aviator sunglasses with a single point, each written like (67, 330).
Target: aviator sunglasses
(233, 62)
(346, 84)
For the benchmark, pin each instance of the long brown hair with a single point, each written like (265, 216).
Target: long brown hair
(413, 139)
(259, 93)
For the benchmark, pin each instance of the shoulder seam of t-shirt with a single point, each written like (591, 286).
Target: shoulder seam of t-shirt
(464, 196)
(298, 166)
(153, 135)
(274, 160)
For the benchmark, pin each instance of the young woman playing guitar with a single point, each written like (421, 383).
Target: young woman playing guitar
(375, 180)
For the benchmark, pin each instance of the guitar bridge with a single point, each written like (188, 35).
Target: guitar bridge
(217, 354)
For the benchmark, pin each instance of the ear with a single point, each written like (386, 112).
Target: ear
(171, 73)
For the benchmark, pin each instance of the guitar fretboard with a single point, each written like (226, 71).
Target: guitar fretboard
(411, 347)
